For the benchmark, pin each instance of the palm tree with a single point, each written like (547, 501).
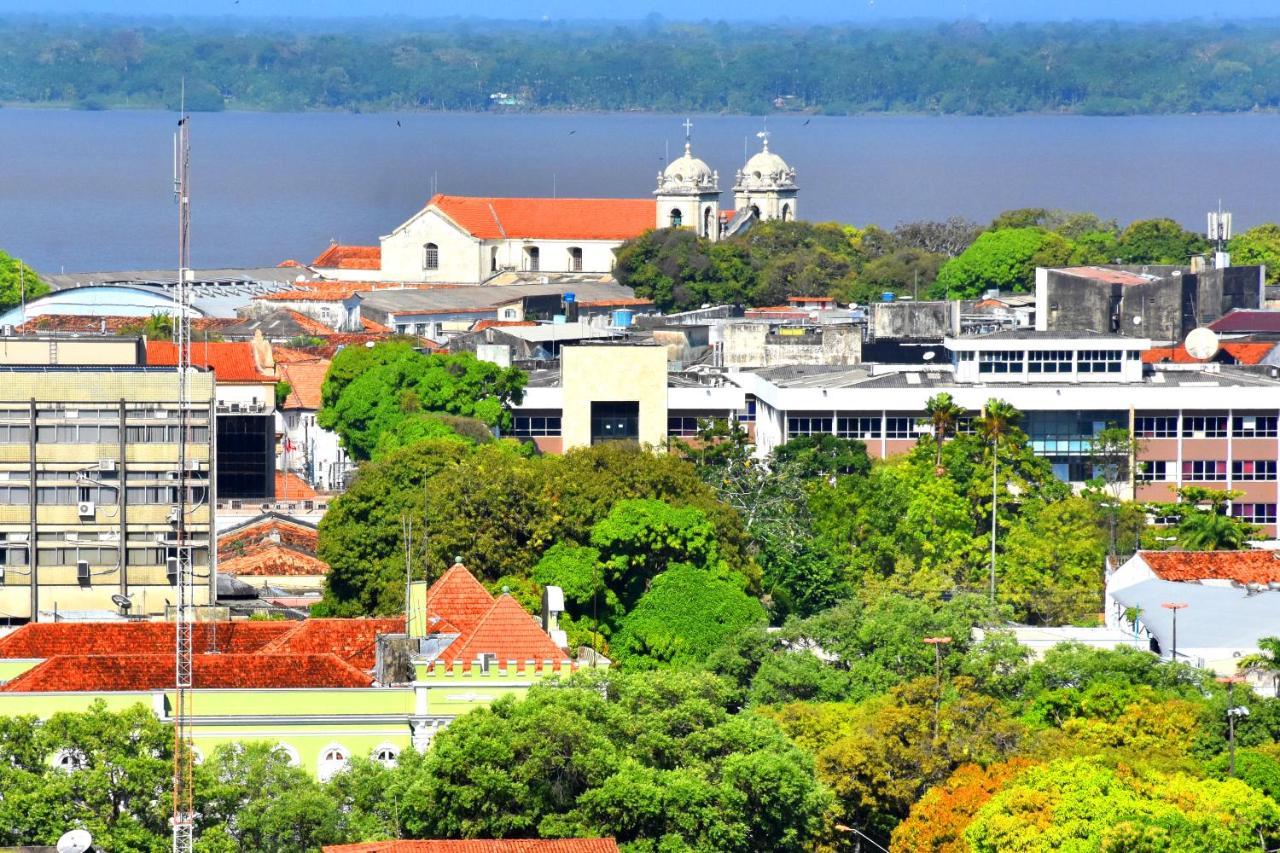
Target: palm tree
(998, 420)
(944, 416)
(1265, 662)
(1209, 530)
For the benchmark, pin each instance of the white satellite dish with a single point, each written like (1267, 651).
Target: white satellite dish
(75, 841)
(1202, 344)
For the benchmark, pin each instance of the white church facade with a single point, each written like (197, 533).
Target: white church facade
(470, 239)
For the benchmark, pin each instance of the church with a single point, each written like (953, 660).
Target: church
(473, 240)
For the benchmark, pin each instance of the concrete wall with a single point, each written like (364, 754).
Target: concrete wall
(752, 345)
(915, 320)
(613, 373)
(83, 351)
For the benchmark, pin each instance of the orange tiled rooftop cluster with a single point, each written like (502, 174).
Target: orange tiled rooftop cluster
(1243, 567)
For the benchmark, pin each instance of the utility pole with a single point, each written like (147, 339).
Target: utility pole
(937, 643)
(1233, 711)
(1174, 606)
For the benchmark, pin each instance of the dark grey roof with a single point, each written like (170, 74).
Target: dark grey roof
(1221, 617)
(1037, 335)
(477, 297)
(169, 277)
(1231, 376)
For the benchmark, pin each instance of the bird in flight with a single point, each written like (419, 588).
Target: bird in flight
(572, 132)
(397, 122)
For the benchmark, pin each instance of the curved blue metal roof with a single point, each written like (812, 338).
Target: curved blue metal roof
(96, 301)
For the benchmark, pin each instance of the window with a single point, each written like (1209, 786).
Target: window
(1000, 361)
(69, 760)
(386, 755)
(1153, 471)
(677, 219)
(575, 259)
(71, 555)
(431, 257)
(786, 213)
(1099, 361)
(900, 427)
(615, 421)
(808, 425)
(687, 426)
(1255, 513)
(749, 415)
(1254, 426)
(707, 219)
(1049, 361)
(289, 753)
(1204, 470)
(1253, 469)
(533, 258)
(1199, 426)
(333, 760)
(858, 427)
(15, 495)
(164, 434)
(493, 259)
(78, 434)
(1156, 426)
(530, 426)
(15, 433)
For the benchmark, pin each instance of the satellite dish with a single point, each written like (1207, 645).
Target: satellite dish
(1202, 344)
(929, 356)
(121, 601)
(75, 841)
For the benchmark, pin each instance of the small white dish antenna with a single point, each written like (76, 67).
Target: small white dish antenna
(929, 356)
(1202, 344)
(75, 841)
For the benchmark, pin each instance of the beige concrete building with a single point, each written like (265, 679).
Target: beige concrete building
(614, 393)
(88, 485)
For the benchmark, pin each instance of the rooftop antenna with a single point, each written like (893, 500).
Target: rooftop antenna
(1219, 234)
(183, 763)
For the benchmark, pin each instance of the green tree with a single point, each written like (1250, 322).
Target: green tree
(943, 416)
(997, 425)
(1004, 259)
(1053, 563)
(1201, 521)
(1159, 241)
(18, 282)
(1264, 663)
(1259, 245)
(825, 456)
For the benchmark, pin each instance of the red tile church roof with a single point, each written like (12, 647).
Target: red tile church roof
(459, 598)
(50, 639)
(549, 218)
(354, 641)
(509, 633)
(124, 672)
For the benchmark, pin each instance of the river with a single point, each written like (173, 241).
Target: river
(84, 191)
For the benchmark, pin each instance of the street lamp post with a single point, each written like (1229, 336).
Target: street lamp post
(1233, 711)
(1175, 606)
(937, 643)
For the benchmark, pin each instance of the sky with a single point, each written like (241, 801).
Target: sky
(862, 11)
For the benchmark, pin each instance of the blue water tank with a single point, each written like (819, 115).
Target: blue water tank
(623, 317)
(887, 296)
(569, 297)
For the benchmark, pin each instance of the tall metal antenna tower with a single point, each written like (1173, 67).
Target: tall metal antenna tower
(183, 763)
(1219, 231)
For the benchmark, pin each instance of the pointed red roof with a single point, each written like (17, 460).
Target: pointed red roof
(508, 632)
(549, 218)
(350, 258)
(51, 639)
(123, 672)
(273, 561)
(352, 640)
(230, 361)
(459, 598)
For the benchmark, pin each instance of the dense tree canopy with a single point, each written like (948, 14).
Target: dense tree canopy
(1259, 245)
(18, 281)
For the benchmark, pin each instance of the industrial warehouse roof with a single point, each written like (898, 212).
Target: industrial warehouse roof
(833, 377)
(483, 297)
(475, 845)
(492, 218)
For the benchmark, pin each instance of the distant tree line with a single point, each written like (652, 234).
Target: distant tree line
(960, 68)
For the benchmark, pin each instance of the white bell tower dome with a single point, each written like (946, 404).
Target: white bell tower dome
(688, 193)
(766, 185)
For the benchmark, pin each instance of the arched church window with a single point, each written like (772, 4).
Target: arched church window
(676, 219)
(386, 755)
(786, 213)
(431, 257)
(575, 259)
(755, 211)
(707, 219)
(333, 760)
(533, 258)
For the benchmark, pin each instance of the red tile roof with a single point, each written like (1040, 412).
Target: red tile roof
(549, 218)
(287, 531)
(1242, 352)
(305, 379)
(50, 639)
(333, 291)
(1105, 275)
(1244, 321)
(288, 262)
(123, 672)
(350, 258)
(481, 325)
(506, 845)
(231, 361)
(288, 355)
(374, 326)
(508, 632)
(273, 561)
(291, 487)
(1243, 567)
(458, 597)
(352, 640)
(310, 325)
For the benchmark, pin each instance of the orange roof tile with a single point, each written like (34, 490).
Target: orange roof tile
(291, 487)
(1243, 567)
(374, 326)
(508, 632)
(123, 672)
(230, 361)
(51, 639)
(350, 258)
(1242, 352)
(288, 262)
(458, 597)
(481, 325)
(310, 324)
(615, 303)
(549, 218)
(1103, 274)
(334, 291)
(288, 355)
(505, 845)
(273, 561)
(297, 535)
(305, 379)
(352, 640)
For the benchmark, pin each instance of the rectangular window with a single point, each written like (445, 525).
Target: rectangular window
(749, 415)
(863, 428)
(1202, 426)
(808, 426)
(1204, 470)
(687, 426)
(1154, 470)
(1000, 361)
(1253, 469)
(1049, 361)
(531, 426)
(1099, 361)
(15, 433)
(1254, 426)
(900, 427)
(15, 495)
(1255, 513)
(1156, 426)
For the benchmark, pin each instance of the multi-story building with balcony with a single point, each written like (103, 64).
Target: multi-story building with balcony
(89, 477)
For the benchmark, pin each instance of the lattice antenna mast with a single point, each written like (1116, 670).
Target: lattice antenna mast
(183, 763)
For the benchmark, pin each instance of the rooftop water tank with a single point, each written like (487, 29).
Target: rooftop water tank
(887, 296)
(623, 318)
